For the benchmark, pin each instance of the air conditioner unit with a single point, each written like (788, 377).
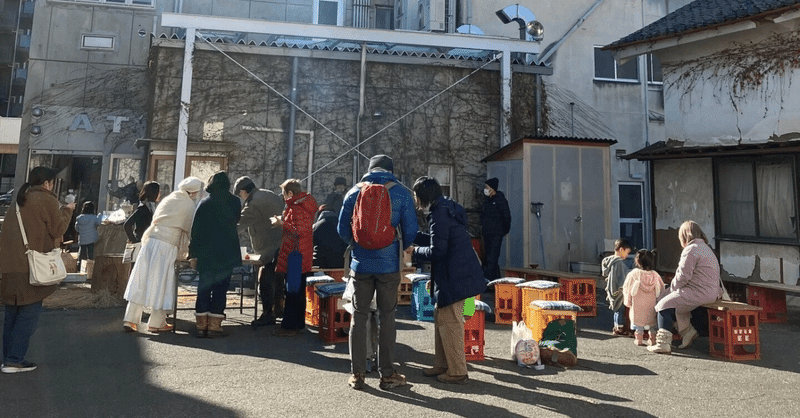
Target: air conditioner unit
(431, 15)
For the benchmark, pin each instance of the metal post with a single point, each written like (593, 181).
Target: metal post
(505, 98)
(292, 122)
(186, 97)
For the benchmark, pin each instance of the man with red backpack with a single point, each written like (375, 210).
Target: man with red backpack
(371, 213)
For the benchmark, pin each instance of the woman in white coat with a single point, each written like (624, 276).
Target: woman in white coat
(152, 281)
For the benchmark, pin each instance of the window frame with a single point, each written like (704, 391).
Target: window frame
(392, 18)
(649, 60)
(720, 233)
(617, 79)
(339, 12)
(640, 220)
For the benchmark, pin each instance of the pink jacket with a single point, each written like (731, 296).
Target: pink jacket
(696, 281)
(640, 291)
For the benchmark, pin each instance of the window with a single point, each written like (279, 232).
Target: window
(654, 70)
(329, 12)
(384, 17)
(148, 3)
(97, 42)
(607, 68)
(756, 198)
(443, 174)
(631, 210)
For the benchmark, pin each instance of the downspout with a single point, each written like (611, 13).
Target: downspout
(648, 218)
(551, 49)
(292, 121)
(361, 100)
(538, 115)
(310, 162)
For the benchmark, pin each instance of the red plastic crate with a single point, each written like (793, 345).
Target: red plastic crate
(333, 319)
(581, 292)
(473, 336)
(507, 303)
(733, 332)
(771, 301)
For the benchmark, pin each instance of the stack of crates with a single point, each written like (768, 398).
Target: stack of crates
(542, 312)
(333, 318)
(536, 290)
(421, 301)
(771, 301)
(580, 291)
(474, 331)
(312, 299)
(507, 300)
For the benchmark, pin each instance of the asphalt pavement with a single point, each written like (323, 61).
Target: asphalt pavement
(89, 367)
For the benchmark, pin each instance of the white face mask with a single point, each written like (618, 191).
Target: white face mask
(486, 192)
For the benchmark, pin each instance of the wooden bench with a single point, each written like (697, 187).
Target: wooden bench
(769, 296)
(578, 288)
(733, 330)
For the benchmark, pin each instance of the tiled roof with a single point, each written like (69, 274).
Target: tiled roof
(704, 14)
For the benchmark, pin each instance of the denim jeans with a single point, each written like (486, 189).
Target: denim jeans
(665, 319)
(619, 316)
(18, 326)
(384, 288)
(211, 294)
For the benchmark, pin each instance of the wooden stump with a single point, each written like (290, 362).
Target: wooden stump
(110, 273)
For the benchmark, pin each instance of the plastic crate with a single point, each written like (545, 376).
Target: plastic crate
(536, 290)
(473, 336)
(312, 299)
(404, 292)
(539, 316)
(580, 291)
(733, 332)
(771, 301)
(333, 319)
(507, 303)
(421, 302)
(336, 274)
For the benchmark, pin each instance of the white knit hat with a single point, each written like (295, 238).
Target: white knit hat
(190, 184)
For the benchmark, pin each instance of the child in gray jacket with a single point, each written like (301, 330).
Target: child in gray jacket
(615, 271)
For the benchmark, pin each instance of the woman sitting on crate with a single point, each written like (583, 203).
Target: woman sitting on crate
(696, 282)
(456, 275)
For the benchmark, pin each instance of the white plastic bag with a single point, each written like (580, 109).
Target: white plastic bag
(524, 349)
(519, 331)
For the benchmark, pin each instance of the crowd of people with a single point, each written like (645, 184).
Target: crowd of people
(368, 230)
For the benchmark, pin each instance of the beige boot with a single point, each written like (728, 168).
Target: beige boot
(688, 335)
(215, 325)
(663, 343)
(202, 325)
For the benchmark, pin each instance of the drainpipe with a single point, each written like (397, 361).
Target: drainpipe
(505, 98)
(648, 241)
(186, 96)
(538, 115)
(292, 121)
(310, 162)
(360, 117)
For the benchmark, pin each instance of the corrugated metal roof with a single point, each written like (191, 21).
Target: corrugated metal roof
(552, 139)
(704, 14)
(378, 49)
(668, 150)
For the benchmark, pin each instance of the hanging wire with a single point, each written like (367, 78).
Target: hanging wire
(352, 147)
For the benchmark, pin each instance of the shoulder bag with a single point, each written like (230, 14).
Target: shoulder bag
(46, 269)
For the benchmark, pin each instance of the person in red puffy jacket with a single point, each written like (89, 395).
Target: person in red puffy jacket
(297, 222)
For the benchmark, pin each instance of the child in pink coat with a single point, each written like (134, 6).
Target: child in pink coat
(640, 291)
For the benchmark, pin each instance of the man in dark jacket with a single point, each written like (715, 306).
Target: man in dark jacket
(328, 246)
(496, 222)
(335, 199)
(376, 273)
(259, 206)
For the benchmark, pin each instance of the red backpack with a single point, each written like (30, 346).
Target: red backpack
(372, 216)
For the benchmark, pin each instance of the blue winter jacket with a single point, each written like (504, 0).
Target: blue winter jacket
(455, 269)
(384, 260)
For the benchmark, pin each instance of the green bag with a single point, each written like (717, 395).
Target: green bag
(469, 306)
(560, 334)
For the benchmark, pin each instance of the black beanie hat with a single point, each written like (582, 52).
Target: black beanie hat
(381, 161)
(493, 183)
(340, 180)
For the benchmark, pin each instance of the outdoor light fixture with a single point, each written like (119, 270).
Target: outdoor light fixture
(536, 30)
(36, 130)
(37, 112)
(529, 27)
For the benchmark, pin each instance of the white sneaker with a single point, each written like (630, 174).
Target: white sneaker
(25, 366)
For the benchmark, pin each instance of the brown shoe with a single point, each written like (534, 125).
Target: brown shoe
(393, 381)
(563, 357)
(458, 380)
(433, 371)
(283, 332)
(356, 381)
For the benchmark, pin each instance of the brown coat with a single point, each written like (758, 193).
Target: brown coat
(45, 224)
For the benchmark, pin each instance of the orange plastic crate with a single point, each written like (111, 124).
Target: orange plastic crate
(333, 319)
(473, 336)
(541, 317)
(733, 332)
(507, 303)
(312, 306)
(771, 301)
(404, 292)
(581, 292)
(530, 294)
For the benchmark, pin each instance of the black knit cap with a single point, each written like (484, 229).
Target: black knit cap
(493, 183)
(381, 161)
(340, 180)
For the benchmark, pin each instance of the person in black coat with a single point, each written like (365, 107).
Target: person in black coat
(455, 273)
(215, 245)
(141, 218)
(336, 198)
(496, 222)
(328, 246)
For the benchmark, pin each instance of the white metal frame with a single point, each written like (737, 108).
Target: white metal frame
(339, 11)
(616, 65)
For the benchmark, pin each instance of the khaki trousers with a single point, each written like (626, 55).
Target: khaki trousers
(449, 339)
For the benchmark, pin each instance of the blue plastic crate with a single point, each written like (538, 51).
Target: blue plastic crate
(421, 302)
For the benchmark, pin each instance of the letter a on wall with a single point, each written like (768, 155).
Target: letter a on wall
(81, 121)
